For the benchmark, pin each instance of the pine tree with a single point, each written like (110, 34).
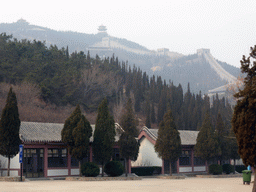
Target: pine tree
(152, 113)
(104, 135)
(168, 143)
(76, 133)
(243, 121)
(9, 129)
(207, 146)
(129, 149)
(81, 134)
(129, 146)
(147, 121)
(223, 141)
(161, 107)
(233, 147)
(128, 120)
(69, 125)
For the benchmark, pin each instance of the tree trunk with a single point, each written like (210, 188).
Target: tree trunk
(8, 169)
(234, 166)
(102, 172)
(127, 166)
(207, 167)
(170, 164)
(80, 172)
(254, 184)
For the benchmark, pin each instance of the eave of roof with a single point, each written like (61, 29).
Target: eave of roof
(187, 137)
(36, 132)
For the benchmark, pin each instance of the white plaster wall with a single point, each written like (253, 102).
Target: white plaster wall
(238, 162)
(74, 171)
(57, 172)
(201, 168)
(147, 155)
(12, 173)
(185, 169)
(13, 165)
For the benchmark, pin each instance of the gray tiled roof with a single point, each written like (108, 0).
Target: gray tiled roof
(47, 132)
(187, 137)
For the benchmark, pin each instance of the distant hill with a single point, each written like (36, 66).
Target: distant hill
(169, 65)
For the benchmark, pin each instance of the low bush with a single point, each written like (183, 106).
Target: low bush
(114, 168)
(240, 168)
(215, 169)
(90, 169)
(227, 168)
(157, 170)
(143, 171)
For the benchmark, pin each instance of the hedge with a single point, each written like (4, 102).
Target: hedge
(146, 171)
(215, 169)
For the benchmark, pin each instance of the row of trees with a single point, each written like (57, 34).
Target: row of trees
(74, 78)
(218, 143)
(77, 132)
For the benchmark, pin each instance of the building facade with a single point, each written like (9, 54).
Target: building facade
(187, 163)
(45, 155)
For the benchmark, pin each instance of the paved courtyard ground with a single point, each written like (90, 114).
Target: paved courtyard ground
(144, 185)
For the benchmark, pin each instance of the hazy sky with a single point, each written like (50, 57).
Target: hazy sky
(226, 27)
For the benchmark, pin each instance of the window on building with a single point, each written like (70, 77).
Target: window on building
(185, 158)
(75, 162)
(57, 157)
(198, 161)
(116, 154)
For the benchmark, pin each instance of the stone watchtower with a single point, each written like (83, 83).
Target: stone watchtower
(201, 51)
(102, 29)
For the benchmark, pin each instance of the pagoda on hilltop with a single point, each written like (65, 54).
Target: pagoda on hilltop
(102, 29)
(22, 22)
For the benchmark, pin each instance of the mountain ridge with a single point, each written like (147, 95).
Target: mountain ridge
(170, 65)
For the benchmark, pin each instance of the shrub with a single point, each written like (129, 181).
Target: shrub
(227, 168)
(114, 168)
(157, 170)
(143, 171)
(240, 168)
(215, 169)
(90, 169)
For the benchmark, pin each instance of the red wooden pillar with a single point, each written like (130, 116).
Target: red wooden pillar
(90, 151)
(129, 166)
(192, 159)
(162, 167)
(45, 160)
(69, 163)
(178, 166)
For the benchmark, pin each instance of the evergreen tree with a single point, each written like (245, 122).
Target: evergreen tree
(243, 121)
(81, 134)
(128, 120)
(222, 137)
(129, 146)
(207, 146)
(9, 129)
(168, 143)
(69, 125)
(129, 149)
(76, 133)
(104, 135)
(233, 147)
(148, 122)
(161, 107)
(152, 113)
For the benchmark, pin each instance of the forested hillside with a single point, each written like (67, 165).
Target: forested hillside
(54, 81)
(179, 68)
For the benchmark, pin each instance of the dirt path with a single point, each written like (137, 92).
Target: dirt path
(144, 185)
